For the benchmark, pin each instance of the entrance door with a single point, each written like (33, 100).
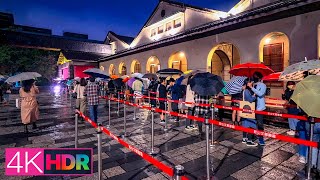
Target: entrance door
(176, 65)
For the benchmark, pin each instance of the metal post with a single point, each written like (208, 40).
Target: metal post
(118, 112)
(207, 148)
(149, 97)
(311, 121)
(109, 114)
(212, 144)
(99, 132)
(76, 130)
(125, 133)
(178, 172)
(153, 150)
(165, 117)
(134, 108)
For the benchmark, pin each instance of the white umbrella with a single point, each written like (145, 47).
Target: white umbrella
(2, 77)
(77, 79)
(95, 72)
(23, 76)
(138, 75)
(295, 71)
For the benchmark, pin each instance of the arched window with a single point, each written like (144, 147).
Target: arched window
(178, 60)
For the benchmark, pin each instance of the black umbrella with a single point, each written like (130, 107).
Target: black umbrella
(118, 83)
(169, 71)
(150, 76)
(206, 84)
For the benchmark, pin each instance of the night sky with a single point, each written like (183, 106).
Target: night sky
(93, 17)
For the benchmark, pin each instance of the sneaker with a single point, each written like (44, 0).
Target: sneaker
(302, 159)
(251, 144)
(291, 133)
(162, 121)
(189, 128)
(244, 140)
(262, 143)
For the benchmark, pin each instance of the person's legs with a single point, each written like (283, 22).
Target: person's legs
(95, 111)
(301, 128)
(260, 126)
(91, 112)
(233, 117)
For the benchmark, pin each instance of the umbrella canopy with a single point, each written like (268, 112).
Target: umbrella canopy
(2, 77)
(224, 90)
(272, 77)
(114, 77)
(169, 71)
(189, 73)
(247, 69)
(234, 86)
(306, 95)
(23, 76)
(118, 83)
(206, 84)
(137, 75)
(130, 82)
(77, 79)
(126, 79)
(70, 81)
(150, 76)
(179, 81)
(295, 71)
(95, 72)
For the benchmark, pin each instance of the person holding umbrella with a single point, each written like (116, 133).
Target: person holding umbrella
(259, 89)
(29, 104)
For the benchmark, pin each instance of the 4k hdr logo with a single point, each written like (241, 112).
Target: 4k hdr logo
(40, 161)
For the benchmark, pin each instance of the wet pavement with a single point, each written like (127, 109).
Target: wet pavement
(229, 158)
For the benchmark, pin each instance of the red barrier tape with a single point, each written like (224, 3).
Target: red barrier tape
(238, 128)
(142, 154)
(231, 108)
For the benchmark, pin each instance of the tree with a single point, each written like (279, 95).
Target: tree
(14, 60)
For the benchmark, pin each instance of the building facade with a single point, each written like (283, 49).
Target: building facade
(276, 33)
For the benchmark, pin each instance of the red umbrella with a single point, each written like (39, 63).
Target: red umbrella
(272, 77)
(247, 69)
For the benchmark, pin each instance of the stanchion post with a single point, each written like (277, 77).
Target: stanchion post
(311, 122)
(134, 108)
(212, 144)
(76, 130)
(118, 112)
(149, 97)
(178, 172)
(99, 132)
(109, 114)
(125, 133)
(153, 150)
(207, 147)
(165, 117)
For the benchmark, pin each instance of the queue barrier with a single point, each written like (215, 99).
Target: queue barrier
(229, 108)
(176, 173)
(213, 122)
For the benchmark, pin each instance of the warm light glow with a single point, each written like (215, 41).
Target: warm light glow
(152, 64)
(175, 61)
(268, 40)
(181, 54)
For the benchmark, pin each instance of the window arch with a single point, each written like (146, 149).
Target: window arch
(112, 69)
(153, 65)
(122, 69)
(135, 67)
(178, 60)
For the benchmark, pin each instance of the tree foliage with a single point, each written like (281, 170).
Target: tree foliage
(14, 60)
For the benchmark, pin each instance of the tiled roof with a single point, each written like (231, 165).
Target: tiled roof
(81, 56)
(125, 39)
(220, 25)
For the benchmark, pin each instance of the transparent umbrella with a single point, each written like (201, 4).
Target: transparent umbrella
(23, 76)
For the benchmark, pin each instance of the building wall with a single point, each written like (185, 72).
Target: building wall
(302, 31)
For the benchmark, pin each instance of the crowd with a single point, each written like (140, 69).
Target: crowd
(87, 93)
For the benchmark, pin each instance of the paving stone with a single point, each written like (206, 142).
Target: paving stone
(113, 171)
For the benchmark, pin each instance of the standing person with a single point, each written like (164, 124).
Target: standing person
(235, 114)
(137, 87)
(248, 95)
(162, 94)
(29, 104)
(6, 89)
(291, 107)
(75, 94)
(79, 89)
(92, 93)
(153, 89)
(176, 94)
(1, 95)
(190, 99)
(259, 89)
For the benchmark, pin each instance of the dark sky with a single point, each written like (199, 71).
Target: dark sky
(93, 17)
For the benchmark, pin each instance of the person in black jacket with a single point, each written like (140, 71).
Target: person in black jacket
(291, 107)
(162, 92)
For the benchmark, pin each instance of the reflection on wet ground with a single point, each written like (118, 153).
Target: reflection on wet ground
(230, 159)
